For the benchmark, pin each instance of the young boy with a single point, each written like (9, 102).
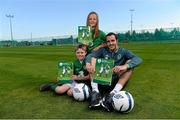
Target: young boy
(80, 74)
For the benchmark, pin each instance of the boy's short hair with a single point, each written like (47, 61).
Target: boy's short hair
(111, 33)
(81, 46)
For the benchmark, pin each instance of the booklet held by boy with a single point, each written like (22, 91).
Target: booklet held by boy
(65, 72)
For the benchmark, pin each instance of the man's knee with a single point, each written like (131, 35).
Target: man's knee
(126, 73)
(123, 78)
(129, 72)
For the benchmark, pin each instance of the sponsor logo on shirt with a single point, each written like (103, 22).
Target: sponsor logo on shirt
(118, 57)
(106, 57)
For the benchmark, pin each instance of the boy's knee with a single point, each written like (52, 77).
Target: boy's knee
(59, 90)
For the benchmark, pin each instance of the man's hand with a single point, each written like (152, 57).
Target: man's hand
(120, 69)
(90, 68)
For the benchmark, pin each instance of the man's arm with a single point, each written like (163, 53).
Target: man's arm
(95, 54)
(91, 60)
(134, 59)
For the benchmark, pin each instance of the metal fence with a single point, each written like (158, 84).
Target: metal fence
(162, 35)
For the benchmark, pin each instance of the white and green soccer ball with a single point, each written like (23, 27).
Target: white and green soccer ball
(123, 102)
(81, 92)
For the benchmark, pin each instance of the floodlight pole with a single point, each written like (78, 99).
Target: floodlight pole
(172, 24)
(31, 36)
(10, 17)
(131, 11)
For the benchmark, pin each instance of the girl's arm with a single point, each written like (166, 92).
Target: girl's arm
(100, 46)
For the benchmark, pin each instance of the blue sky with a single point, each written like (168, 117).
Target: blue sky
(62, 17)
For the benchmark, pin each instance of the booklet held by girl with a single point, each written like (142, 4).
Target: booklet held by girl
(84, 34)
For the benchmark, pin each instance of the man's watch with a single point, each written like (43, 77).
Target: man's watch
(128, 66)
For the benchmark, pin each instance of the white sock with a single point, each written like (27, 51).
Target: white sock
(117, 88)
(94, 86)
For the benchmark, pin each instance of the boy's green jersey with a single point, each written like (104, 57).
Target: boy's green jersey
(96, 41)
(103, 73)
(80, 68)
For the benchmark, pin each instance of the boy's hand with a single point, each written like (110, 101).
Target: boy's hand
(74, 77)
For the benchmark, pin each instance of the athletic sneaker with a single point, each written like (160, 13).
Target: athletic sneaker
(107, 102)
(45, 87)
(95, 99)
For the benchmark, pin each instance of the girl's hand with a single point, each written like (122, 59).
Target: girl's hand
(96, 48)
(100, 46)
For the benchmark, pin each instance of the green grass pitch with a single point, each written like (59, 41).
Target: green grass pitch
(154, 84)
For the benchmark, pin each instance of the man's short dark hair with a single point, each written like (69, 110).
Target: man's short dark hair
(111, 33)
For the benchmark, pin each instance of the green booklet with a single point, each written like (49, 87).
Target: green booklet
(65, 72)
(103, 73)
(84, 34)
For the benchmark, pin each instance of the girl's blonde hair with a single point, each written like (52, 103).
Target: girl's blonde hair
(96, 34)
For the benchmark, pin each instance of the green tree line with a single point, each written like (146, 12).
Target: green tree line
(158, 34)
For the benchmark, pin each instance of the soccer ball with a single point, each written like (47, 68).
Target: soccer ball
(123, 102)
(81, 92)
